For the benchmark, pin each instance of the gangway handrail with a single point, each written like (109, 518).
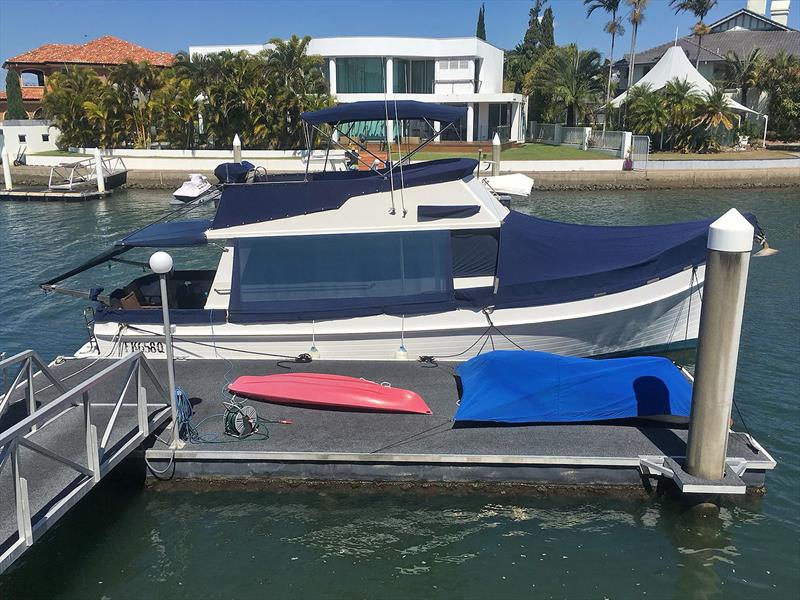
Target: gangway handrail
(100, 458)
(82, 171)
(26, 359)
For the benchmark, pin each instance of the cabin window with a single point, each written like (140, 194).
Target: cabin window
(360, 76)
(326, 272)
(474, 252)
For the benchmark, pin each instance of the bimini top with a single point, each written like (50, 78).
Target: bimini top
(379, 110)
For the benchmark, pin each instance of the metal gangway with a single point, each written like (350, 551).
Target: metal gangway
(57, 443)
(68, 176)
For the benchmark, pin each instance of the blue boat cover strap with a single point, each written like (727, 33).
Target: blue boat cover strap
(169, 234)
(536, 387)
(155, 316)
(380, 110)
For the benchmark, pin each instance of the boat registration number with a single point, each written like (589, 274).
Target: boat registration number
(149, 347)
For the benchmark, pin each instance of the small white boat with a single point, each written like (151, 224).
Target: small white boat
(515, 186)
(197, 189)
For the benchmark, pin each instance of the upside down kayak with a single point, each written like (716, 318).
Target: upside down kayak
(329, 391)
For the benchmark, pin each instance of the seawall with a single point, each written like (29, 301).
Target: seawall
(544, 180)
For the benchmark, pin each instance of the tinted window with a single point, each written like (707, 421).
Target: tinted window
(332, 270)
(474, 252)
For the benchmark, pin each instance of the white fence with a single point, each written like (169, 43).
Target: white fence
(616, 143)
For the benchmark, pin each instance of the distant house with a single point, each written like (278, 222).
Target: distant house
(464, 71)
(35, 66)
(739, 32)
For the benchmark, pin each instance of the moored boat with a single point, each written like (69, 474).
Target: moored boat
(407, 260)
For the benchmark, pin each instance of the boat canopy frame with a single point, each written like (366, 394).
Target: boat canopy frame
(311, 124)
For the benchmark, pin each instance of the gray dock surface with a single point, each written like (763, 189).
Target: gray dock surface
(347, 445)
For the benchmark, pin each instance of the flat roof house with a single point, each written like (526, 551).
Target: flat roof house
(459, 71)
(35, 66)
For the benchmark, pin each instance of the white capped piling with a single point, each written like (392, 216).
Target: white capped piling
(98, 169)
(237, 149)
(161, 263)
(496, 155)
(6, 169)
(730, 240)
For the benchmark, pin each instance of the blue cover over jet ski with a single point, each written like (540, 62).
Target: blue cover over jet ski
(537, 387)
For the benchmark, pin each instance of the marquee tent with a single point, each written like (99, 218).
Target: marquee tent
(675, 65)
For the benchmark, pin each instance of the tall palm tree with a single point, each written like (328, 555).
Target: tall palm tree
(613, 27)
(573, 77)
(743, 72)
(699, 8)
(635, 18)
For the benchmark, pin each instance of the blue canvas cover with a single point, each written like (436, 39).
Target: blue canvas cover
(536, 387)
(380, 110)
(169, 234)
(547, 262)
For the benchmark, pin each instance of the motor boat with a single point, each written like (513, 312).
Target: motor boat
(411, 260)
(197, 189)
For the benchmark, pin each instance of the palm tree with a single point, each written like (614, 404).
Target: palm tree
(714, 111)
(647, 111)
(572, 77)
(635, 18)
(136, 83)
(614, 28)
(681, 99)
(64, 98)
(699, 8)
(743, 73)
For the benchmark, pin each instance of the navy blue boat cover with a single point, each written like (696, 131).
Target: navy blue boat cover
(536, 387)
(546, 262)
(379, 110)
(169, 234)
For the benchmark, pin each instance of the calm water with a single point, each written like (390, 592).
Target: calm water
(129, 542)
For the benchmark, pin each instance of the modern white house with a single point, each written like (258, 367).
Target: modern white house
(459, 71)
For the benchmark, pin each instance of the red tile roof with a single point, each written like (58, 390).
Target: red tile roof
(107, 50)
(29, 93)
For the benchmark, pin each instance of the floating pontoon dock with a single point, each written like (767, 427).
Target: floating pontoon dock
(44, 472)
(45, 194)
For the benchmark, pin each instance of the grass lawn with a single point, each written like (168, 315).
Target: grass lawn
(57, 153)
(751, 155)
(526, 152)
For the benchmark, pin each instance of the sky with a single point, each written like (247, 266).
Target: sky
(172, 25)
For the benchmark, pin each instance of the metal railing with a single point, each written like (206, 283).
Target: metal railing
(100, 457)
(64, 177)
(542, 133)
(28, 364)
(609, 141)
(574, 136)
(640, 151)
(504, 131)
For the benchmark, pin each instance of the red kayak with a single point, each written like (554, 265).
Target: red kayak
(329, 391)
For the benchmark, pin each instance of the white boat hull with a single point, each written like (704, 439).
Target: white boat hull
(662, 314)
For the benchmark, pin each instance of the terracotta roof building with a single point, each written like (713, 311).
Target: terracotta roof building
(99, 54)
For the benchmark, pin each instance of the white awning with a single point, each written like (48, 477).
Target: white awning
(675, 65)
